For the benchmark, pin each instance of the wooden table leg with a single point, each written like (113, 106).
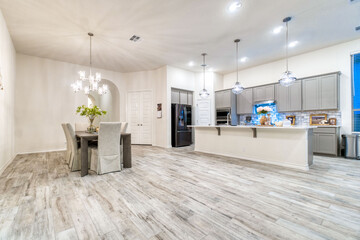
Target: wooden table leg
(84, 157)
(127, 151)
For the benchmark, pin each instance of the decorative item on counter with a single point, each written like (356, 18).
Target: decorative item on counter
(248, 120)
(287, 123)
(292, 119)
(279, 124)
(264, 110)
(91, 113)
(318, 119)
(268, 120)
(97, 129)
(332, 121)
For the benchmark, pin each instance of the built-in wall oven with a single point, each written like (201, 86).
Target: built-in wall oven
(223, 116)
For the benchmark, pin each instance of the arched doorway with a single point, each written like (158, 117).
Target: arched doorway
(109, 102)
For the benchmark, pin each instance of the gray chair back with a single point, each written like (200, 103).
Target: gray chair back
(68, 143)
(124, 126)
(109, 147)
(75, 161)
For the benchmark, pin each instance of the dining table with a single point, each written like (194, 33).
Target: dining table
(85, 137)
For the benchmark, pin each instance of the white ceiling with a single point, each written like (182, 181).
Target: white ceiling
(174, 32)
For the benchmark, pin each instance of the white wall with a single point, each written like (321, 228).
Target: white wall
(44, 100)
(7, 68)
(326, 60)
(156, 82)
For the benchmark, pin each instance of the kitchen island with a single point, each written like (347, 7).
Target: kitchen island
(283, 146)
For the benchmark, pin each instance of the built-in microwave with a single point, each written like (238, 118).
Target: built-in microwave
(223, 116)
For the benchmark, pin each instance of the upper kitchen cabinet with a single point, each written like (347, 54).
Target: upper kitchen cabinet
(288, 99)
(224, 99)
(181, 97)
(263, 93)
(321, 92)
(245, 102)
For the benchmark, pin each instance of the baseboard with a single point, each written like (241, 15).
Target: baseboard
(6, 165)
(305, 168)
(44, 151)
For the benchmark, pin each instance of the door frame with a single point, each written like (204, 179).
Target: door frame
(152, 111)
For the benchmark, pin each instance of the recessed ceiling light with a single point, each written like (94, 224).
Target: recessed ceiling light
(191, 63)
(244, 59)
(277, 30)
(293, 44)
(234, 6)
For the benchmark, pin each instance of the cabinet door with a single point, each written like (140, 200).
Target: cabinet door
(295, 97)
(311, 94)
(259, 94)
(329, 91)
(183, 97)
(282, 98)
(326, 144)
(244, 102)
(269, 92)
(190, 98)
(218, 100)
(175, 96)
(226, 98)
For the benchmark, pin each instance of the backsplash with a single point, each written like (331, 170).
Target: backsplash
(301, 118)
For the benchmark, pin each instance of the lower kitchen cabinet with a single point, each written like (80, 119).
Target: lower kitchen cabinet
(326, 140)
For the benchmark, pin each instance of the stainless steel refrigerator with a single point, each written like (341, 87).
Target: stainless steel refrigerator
(181, 134)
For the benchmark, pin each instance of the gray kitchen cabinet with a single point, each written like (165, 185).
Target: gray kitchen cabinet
(189, 98)
(288, 99)
(183, 97)
(175, 96)
(264, 93)
(321, 92)
(245, 102)
(224, 99)
(326, 140)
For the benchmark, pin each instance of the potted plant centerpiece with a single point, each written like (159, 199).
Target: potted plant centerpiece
(90, 112)
(264, 110)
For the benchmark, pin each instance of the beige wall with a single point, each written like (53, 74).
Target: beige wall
(7, 68)
(44, 100)
(326, 60)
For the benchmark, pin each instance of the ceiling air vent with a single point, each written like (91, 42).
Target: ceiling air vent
(357, 28)
(135, 38)
(354, 1)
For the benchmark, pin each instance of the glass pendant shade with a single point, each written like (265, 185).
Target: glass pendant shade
(238, 88)
(204, 93)
(287, 79)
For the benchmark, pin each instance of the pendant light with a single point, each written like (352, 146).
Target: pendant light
(287, 78)
(204, 93)
(238, 88)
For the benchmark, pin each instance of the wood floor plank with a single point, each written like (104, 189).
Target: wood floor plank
(180, 194)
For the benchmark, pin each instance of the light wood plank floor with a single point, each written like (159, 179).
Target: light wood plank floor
(179, 194)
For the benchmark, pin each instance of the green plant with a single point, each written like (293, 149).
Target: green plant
(90, 112)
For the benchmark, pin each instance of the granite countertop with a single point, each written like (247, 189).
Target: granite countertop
(254, 126)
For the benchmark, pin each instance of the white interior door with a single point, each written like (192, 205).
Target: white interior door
(145, 116)
(203, 112)
(140, 117)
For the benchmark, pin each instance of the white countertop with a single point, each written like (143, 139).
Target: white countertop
(254, 126)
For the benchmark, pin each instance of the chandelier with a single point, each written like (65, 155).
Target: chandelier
(238, 88)
(204, 93)
(93, 80)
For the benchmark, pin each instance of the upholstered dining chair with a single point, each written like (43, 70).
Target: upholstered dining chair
(75, 159)
(107, 157)
(82, 126)
(68, 143)
(124, 126)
